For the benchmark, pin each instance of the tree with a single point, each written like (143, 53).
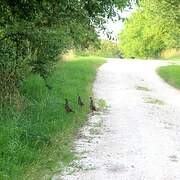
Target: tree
(153, 27)
(33, 33)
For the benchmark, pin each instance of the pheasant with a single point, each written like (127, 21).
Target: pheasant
(80, 102)
(67, 106)
(92, 105)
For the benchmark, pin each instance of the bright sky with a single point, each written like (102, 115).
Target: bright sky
(116, 27)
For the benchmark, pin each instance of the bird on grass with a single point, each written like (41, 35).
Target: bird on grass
(80, 102)
(92, 105)
(67, 106)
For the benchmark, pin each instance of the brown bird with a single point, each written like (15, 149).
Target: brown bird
(67, 106)
(92, 105)
(80, 102)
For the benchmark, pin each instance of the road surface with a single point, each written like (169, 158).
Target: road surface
(138, 138)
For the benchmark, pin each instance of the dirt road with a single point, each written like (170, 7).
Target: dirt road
(138, 138)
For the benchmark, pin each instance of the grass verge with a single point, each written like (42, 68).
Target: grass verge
(37, 140)
(174, 58)
(171, 74)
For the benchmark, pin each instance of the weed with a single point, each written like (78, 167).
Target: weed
(142, 88)
(154, 101)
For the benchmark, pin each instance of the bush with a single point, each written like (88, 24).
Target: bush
(33, 33)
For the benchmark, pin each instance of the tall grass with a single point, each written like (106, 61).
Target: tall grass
(173, 54)
(40, 134)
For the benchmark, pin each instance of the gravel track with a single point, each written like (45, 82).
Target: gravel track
(138, 137)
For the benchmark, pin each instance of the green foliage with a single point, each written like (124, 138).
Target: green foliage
(105, 48)
(152, 28)
(40, 135)
(33, 33)
(170, 74)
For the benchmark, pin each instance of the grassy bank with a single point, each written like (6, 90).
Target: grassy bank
(40, 133)
(171, 74)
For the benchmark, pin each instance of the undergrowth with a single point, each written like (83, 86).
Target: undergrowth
(36, 139)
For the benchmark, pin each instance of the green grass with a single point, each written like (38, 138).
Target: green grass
(173, 58)
(171, 74)
(37, 140)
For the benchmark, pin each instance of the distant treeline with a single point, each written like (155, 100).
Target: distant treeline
(153, 28)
